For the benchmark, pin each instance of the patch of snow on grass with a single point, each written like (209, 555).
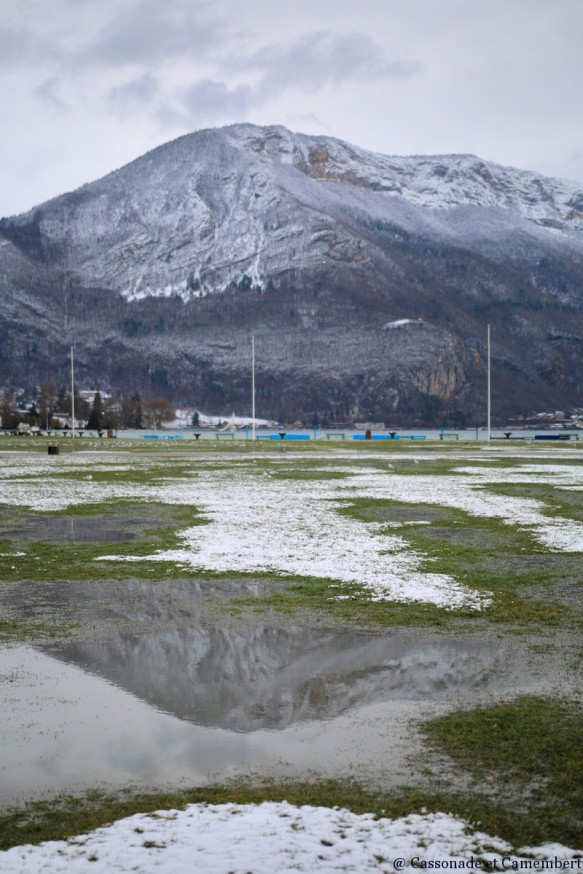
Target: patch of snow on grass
(290, 528)
(467, 494)
(266, 839)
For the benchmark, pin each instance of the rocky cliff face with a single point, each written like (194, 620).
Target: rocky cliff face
(368, 280)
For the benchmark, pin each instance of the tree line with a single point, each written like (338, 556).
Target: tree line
(49, 404)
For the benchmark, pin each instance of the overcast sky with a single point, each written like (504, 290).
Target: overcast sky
(88, 85)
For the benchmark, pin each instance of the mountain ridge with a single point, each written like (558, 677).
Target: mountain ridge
(246, 229)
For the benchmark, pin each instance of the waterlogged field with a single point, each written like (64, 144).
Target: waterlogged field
(333, 625)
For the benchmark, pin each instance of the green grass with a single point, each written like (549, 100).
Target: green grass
(148, 474)
(155, 527)
(67, 815)
(529, 750)
(557, 502)
(307, 475)
(81, 561)
(237, 446)
(354, 607)
(346, 603)
(482, 553)
(19, 631)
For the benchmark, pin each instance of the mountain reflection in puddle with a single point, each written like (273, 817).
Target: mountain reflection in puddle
(247, 679)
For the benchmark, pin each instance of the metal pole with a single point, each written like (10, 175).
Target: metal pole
(489, 384)
(253, 387)
(72, 394)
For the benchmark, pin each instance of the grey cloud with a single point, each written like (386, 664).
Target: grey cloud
(208, 101)
(20, 45)
(137, 92)
(149, 31)
(216, 98)
(308, 65)
(48, 92)
(321, 59)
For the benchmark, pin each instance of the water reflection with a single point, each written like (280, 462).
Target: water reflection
(64, 730)
(164, 695)
(146, 606)
(270, 702)
(245, 679)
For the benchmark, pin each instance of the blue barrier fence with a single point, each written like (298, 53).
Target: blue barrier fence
(282, 437)
(389, 437)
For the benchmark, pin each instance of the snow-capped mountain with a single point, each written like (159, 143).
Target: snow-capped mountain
(368, 278)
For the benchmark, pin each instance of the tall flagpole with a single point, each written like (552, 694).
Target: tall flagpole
(72, 394)
(489, 384)
(253, 386)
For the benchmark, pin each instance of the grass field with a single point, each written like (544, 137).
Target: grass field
(455, 540)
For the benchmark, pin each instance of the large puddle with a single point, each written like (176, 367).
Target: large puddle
(186, 706)
(248, 679)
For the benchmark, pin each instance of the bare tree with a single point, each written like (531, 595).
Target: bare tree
(156, 411)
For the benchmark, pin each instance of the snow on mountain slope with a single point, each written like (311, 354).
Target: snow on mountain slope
(214, 207)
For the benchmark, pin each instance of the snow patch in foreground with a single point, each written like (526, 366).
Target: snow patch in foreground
(267, 839)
